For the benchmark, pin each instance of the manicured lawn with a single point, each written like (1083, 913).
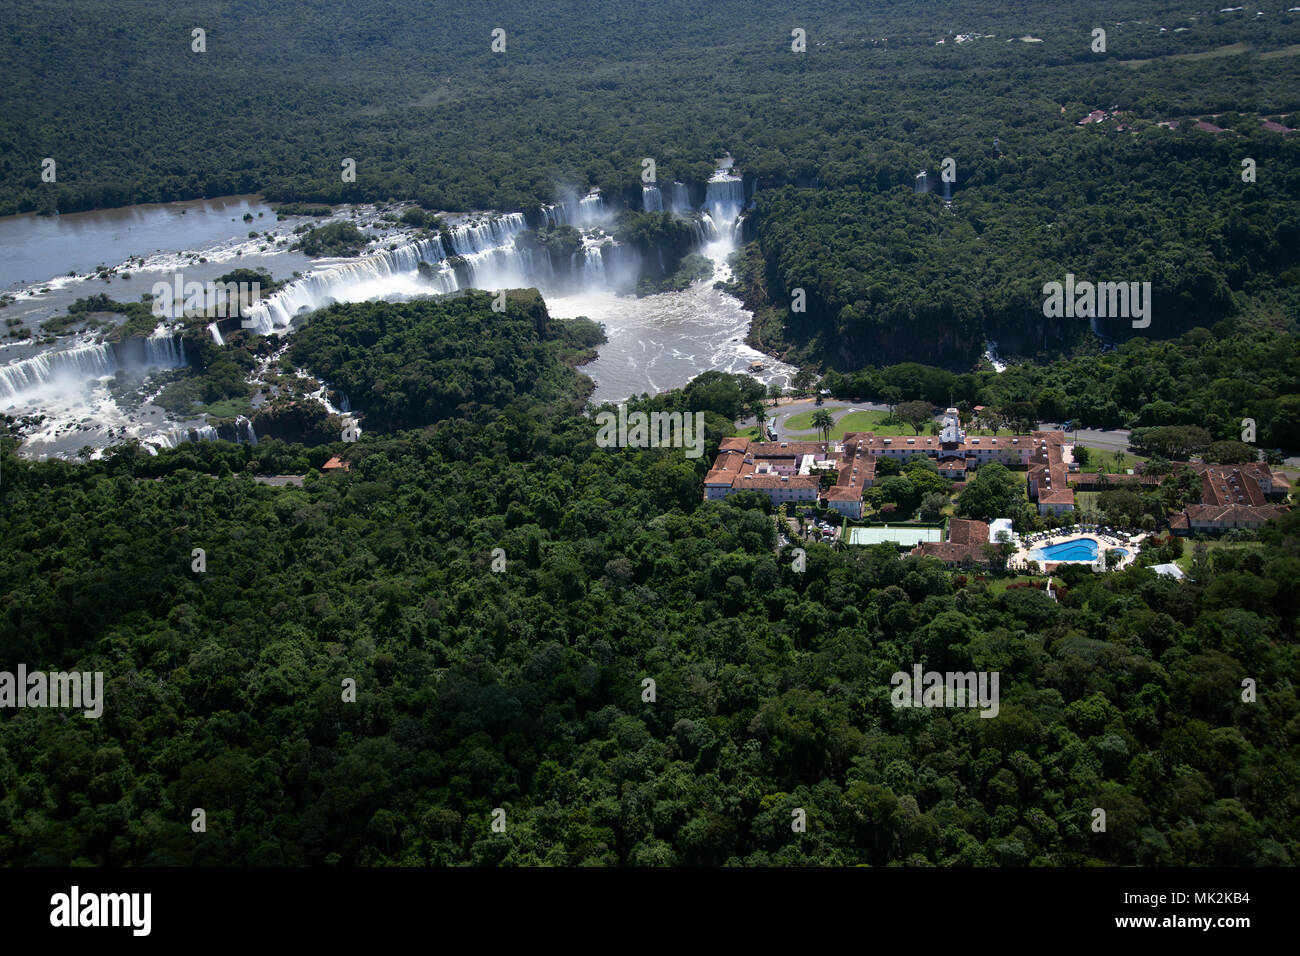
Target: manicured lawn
(1103, 461)
(803, 421)
(873, 422)
(1185, 562)
(870, 422)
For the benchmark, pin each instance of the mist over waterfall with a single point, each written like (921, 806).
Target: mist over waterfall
(163, 349)
(82, 363)
(489, 257)
(582, 213)
(664, 340)
(674, 198)
(724, 200)
(584, 252)
(360, 278)
(501, 251)
(90, 361)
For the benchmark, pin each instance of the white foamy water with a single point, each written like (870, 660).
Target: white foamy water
(654, 343)
(659, 342)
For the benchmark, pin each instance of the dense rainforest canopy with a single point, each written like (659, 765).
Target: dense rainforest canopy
(1212, 378)
(520, 685)
(831, 140)
(500, 588)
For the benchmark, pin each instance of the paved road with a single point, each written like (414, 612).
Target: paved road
(1106, 439)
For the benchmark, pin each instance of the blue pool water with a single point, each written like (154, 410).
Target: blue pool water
(1080, 549)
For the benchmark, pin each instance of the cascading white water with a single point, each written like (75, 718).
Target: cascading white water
(672, 333)
(244, 431)
(163, 349)
(175, 436)
(487, 256)
(319, 289)
(679, 199)
(582, 213)
(167, 438)
(724, 198)
(492, 259)
(588, 263)
(476, 237)
(84, 362)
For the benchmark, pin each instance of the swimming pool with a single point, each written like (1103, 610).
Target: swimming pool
(1079, 549)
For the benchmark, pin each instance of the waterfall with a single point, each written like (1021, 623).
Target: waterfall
(173, 437)
(169, 438)
(244, 427)
(476, 237)
(724, 198)
(83, 362)
(991, 355)
(484, 253)
(591, 208)
(490, 258)
(216, 333)
(679, 200)
(319, 289)
(593, 267)
(163, 349)
(582, 213)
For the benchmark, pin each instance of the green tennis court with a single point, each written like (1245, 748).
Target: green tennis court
(901, 535)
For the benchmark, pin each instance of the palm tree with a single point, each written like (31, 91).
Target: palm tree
(891, 395)
(774, 392)
(823, 421)
(760, 420)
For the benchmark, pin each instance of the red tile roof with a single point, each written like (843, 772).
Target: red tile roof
(966, 540)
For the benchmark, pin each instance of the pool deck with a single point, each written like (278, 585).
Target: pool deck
(1105, 541)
